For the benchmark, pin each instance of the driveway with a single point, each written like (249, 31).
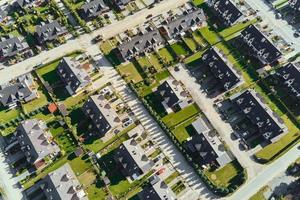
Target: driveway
(7, 181)
(198, 189)
(224, 129)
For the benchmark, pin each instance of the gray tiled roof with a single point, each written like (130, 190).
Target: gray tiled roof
(224, 73)
(184, 22)
(120, 4)
(22, 3)
(260, 46)
(62, 184)
(49, 31)
(18, 91)
(251, 104)
(140, 44)
(103, 116)
(93, 9)
(295, 4)
(70, 72)
(226, 11)
(290, 75)
(36, 140)
(133, 158)
(11, 46)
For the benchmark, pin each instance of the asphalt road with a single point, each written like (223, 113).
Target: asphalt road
(84, 41)
(272, 170)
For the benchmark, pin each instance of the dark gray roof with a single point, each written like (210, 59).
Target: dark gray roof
(70, 72)
(36, 140)
(140, 44)
(103, 116)
(251, 104)
(18, 91)
(93, 9)
(290, 75)
(120, 4)
(158, 190)
(295, 4)
(224, 73)
(260, 46)
(184, 22)
(10, 46)
(49, 31)
(133, 158)
(227, 12)
(22, 3)
(62, 184)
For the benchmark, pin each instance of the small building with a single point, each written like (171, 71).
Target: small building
(61, 184)
(92, 9)
(22, 4)
(269, 126)
(103, 116)
(173, 95)
(46, 32)
(221, 69)
(157, 190)
(133, 159)
(226, 11)
(176, 26)
(11, 46)
(23, 89)
(260, 46)
(290, 77)
(36, 141)
(120, 4)
(139, 45)
(71, 73)
(205, 147)
(3, 15)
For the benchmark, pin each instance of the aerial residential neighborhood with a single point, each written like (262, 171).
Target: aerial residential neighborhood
(149, 99)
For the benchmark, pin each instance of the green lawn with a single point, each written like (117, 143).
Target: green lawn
(235, 28)
(174, 119)
(193, 57)
(179, 49)
(199, 39)
(8, 115)
(190, 43)
(155, 62)
(96, 191)
(170, 178)
(48, 72)
(41, 101)
(181, 131)
(197, 2)
(130, 73)
(260, 194)
(224, 177)
(81, 164)
(210, 36)
(165, 55)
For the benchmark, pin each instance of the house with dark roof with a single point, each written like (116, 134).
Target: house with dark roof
(21, 90)
(92, 9)
(133, 159)
(205, 147)
(175, 26)
(21, 4)
(71, 73)
(260, 46)
(60, 184)
(290, 77)
(36, 141)
(157, 190)
(11, 46)
(119, 4)
(226, 11)
(50, 31)
(269, 126)
(173, 95)
(295, 4)
(103, 116)
(139, 45)
(221, 69)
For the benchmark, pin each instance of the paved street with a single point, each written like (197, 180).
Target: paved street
(223, 128)
(157, 134)
(84, 41)
(271, 171)
(280, 26)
